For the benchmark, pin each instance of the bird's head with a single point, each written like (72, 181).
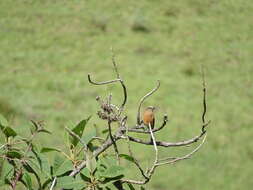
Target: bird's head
(152, 108)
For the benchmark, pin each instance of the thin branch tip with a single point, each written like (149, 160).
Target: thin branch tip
(142, 100)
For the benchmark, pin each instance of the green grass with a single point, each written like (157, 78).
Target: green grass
(48, 48)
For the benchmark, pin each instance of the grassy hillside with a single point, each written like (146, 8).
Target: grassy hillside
(48, 47)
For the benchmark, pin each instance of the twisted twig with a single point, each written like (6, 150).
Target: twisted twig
(102, 83)
(204, 99)
(142, 100)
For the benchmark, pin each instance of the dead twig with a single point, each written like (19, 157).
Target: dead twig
(113, 141)
(169, 144)
(204, 99)
(120, 80)
(111, 112)
(142, 100)
(187, 156)
(101, 83)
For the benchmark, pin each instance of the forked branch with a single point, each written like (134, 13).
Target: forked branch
(119, 79)
(123, 131)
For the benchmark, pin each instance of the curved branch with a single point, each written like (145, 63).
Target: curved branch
(112, 81)
(114, 64)
(113, 141)
(187, 156)
(125, 94)
(142, 100)
(118, 136)
(204, 99)
(135, 161)
(169, 144)
(121, 81)
(102, 83)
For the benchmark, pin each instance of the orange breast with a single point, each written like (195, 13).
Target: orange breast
(148, 117)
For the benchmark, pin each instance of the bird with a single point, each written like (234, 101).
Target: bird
(148, 117)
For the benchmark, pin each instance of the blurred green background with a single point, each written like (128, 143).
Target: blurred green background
(47, 48)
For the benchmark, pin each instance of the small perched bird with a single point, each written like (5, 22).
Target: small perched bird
(149, 116)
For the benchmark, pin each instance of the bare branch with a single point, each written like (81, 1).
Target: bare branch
(187, 156)
(134, 159)
(102, 83)
(119, 79)
(204, 99)
(53, 184)
(113, 141)
(118, 136)
(151, 171)
(125, 94)
(166, 159)
(18, 175)
(142, 100)
(169, 144)
(154, 143)
(122, 132)
(99, 138)
(157, 163)
(114, 64)
(171, 160)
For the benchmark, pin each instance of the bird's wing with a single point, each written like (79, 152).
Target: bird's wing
(153, 124)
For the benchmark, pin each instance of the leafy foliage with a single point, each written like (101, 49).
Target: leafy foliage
(24, 164)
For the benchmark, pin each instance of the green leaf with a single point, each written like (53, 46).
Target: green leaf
(85, 178)
(46, 183)
(112, 171)
(49, 149)
(109, 186)
(128, 186)
(7, 171)
(28, 167)
(7, 181)
(61, 165)
(37, 155)
(3, 121)
(142, 188)
(28, 180)
(90, 161)
(107, 160)
(78, 130)
(14, 154)
(9, 132)
(88, 137)
(68, 182)
(105, 131)
(85, 175)
(42, 166)
(127, 157)
(112, 179)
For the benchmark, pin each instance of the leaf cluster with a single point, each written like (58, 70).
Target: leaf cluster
(24, 163)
